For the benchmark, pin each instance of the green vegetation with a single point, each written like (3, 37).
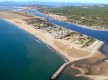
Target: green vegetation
(58, 32)
(89, 42)
(38, 22)
(92, 16)
(26, 14)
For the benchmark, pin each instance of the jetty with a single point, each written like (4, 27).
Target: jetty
(57, 73)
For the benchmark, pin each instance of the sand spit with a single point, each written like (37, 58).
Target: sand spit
(77, 55)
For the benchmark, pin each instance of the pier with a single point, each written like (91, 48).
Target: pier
(57, 73)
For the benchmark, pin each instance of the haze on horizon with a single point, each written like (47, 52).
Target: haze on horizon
(72, 1)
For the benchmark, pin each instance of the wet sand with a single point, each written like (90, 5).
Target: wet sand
(71, 53)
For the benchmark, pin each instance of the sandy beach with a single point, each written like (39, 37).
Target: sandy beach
(70, 52)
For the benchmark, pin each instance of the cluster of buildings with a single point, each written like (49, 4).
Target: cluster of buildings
(58, 32)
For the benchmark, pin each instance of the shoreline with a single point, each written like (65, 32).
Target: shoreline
(38, 39)
(64, 56)
(64, 50)
(50, 43)
(73, 54)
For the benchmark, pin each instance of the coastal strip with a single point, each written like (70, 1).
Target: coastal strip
(45, 38)
(63, 46)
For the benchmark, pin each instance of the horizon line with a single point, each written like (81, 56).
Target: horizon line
(56, 2)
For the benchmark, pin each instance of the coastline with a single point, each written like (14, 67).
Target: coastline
(38, 34)
(64, 50)
(49, 41)
(39, 40)
(19, 26)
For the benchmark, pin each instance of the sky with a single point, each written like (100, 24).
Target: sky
(83, 1)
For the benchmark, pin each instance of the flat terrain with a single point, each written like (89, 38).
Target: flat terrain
(92, 17)
(9, 15)
(71, 53)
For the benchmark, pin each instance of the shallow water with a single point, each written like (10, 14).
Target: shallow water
(24, 57)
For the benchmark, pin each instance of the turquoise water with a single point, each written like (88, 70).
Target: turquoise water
(23, 57)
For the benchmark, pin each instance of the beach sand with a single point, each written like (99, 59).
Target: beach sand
(93, 67)
(71, 53)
